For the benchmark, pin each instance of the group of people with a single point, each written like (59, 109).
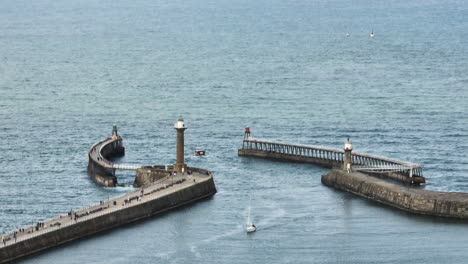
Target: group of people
(15, 235)
(40, 225)
(174, 173)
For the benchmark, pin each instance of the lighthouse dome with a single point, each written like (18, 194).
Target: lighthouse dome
(348, 145)
(180, 123)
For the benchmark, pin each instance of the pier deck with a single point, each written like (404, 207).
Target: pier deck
(31, 240)
(435, 203)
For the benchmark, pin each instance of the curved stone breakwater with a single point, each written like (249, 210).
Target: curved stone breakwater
(100, 168)
(166, 194)
(444, 204)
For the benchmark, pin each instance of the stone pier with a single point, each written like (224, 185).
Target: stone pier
(444, 204)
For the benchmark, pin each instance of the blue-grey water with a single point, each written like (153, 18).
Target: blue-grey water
(69, 70)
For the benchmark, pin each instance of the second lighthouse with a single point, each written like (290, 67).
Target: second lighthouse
(180, 166)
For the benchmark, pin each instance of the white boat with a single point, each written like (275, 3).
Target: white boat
(372, 34)
(250, 226)
(200, 152)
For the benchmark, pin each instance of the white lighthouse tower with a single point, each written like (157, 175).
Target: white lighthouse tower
(180, 127)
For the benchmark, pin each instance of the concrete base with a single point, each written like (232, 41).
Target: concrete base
(150, 174)
(445, 204)
(179, 166)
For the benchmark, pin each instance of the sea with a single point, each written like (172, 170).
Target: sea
(71, 69)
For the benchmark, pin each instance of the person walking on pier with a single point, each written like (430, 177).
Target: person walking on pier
(3, 241)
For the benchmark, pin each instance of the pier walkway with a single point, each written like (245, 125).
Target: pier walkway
(97, 154)
(159, 189)
(331, 158)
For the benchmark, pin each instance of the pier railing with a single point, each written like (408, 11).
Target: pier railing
(331, 157)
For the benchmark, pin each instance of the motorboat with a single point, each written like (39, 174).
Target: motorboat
(200, 153)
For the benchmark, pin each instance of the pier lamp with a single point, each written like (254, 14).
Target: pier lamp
(347, 160)
(247, 133)
(114, 132)
(180, 127)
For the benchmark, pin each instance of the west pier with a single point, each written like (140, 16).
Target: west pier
(163, 188)
(388, 181)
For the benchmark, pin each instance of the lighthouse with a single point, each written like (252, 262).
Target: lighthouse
(347, 160)
(180, 127)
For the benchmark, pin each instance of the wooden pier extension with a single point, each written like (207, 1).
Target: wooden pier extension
(331, 158)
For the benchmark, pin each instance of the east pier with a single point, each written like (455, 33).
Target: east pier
(443, 204)
(387, 181)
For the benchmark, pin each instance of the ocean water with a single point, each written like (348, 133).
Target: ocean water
(69, 70)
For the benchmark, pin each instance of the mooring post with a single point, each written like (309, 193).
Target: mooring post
(347, 161)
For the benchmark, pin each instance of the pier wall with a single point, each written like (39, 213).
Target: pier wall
(99, 167)
(100, 174)
(444, 204)
(113, 148)
(289, 157)
(125, 215)
(149, 174)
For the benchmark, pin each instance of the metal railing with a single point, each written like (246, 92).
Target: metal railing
(362, 162)
(125, 166)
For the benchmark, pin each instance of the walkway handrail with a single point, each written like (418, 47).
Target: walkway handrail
(335, 156)
(120, 166)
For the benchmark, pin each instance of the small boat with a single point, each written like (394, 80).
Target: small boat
(348, 34)
(372, 34)
(200, 153)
